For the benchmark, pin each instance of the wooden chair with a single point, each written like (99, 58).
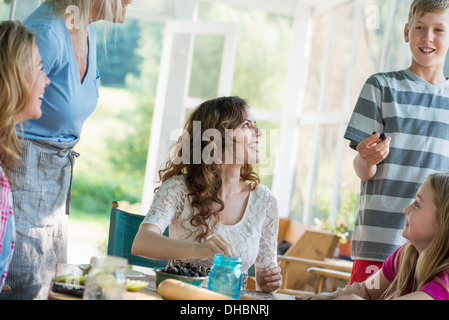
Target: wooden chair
(310, 253)
(122, 231)
(323, 272)
(6, 288)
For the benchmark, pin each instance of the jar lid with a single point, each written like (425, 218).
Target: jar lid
(227, 259)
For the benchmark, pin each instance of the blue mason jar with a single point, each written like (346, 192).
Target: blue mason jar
(225, 276)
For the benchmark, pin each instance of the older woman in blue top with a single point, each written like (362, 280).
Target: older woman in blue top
(67, 43)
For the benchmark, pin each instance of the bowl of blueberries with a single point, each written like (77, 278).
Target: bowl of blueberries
(186, 272)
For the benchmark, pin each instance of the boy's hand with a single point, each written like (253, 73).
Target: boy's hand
(372, 151)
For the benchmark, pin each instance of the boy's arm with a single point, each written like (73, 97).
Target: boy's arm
(371, 289)
(370, 153)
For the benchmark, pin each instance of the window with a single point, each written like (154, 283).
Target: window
(350, 42)
(21, 8)
(260, 69)
(5, 8)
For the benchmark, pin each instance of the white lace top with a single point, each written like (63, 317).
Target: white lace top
(253, 238)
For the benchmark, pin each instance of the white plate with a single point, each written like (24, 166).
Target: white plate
(128, 272)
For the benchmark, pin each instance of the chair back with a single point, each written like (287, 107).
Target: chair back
(122, 231)
(307, 243)
(290, 230)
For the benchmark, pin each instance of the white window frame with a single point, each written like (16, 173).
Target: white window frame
(12, 9)
(294, 117)
(169, 116)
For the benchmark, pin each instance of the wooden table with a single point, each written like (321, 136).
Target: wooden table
(147, 293)
(150, 292)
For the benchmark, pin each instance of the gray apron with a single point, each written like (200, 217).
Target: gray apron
(41, 198)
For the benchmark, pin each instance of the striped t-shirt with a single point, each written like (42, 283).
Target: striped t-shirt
(415, 114)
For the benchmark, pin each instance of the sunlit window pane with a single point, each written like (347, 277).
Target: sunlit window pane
(325, 181)
(206, 64)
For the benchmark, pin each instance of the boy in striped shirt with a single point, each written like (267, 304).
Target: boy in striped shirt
(411, 108)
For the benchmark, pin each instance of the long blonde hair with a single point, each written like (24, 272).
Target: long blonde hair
(111, 9)
(16, 57)
(419, 269)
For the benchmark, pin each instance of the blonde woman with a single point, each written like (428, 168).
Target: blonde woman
(67, 42)
(419, 270)
(211, 196)
(22, 83)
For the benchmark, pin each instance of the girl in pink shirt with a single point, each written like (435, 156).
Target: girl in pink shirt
(420, 269)
(22, 84)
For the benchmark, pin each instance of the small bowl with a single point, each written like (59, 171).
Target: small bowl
(161, 276)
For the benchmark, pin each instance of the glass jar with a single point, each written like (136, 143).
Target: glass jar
(106, 279)
(225, 276)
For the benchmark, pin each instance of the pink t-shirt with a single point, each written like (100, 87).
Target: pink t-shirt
(437, 290)
(7, 228)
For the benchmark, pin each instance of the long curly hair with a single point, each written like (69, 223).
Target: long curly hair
(204, 178)
(16, 57)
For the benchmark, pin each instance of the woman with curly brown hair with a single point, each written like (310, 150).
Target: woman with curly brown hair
(22, 84)
(211, 197)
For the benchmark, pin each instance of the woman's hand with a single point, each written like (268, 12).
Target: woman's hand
(216, 244)
(174, 249)
(269, 279)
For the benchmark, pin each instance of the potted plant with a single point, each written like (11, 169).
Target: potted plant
(340, 228)
(341, 224)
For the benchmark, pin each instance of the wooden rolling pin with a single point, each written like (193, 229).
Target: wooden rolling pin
(171, 289)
